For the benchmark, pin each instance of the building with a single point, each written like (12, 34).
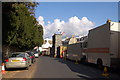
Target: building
(46, 46)
(72, 40)
(65, 41)
(56, 41)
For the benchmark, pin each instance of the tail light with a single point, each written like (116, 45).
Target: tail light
(6, 60)
(32, 57)
(24, 59)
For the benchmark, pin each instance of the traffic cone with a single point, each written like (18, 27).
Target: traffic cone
(105, 72)
(3, 68)
(76, 62)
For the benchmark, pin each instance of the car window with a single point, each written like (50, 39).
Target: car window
(30, 54)
(18, 55)
(36, 53)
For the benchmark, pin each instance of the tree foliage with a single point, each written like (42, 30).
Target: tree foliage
(20, 27)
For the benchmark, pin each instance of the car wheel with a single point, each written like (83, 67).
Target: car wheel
(99, 64)
(83, 60)
(7, 69)
(33, 61)
(30, 64)
(27, 68)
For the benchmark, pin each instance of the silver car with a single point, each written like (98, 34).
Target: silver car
(18, 60)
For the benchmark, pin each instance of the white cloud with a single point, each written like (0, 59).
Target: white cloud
(49, 22)
(41, 20)
(74, 26)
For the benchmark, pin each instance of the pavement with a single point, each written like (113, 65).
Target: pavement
(0, 73)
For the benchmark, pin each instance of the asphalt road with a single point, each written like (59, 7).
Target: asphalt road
(48, 67)
(52, 68)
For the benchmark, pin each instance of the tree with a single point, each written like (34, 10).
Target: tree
(22, 29)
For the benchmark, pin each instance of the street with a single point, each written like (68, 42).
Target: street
(49, 67)
(60, 40)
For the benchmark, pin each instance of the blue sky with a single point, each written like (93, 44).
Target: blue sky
(97, 12)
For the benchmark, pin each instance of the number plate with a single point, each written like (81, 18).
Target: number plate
(15, 60)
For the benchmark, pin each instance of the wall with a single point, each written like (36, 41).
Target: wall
(74, 51)
(114, 39)
(114, 44)
(57, 41)
(7, 50)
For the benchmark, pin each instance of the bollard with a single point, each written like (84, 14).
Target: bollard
(76, 61)
(105, 72)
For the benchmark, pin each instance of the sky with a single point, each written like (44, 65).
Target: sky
(59, 0)
(74, 18)
(76, 0)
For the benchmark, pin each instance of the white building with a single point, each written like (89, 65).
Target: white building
(46, 44)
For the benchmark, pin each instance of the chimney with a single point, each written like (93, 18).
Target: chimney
(108, 21)
(73, 36)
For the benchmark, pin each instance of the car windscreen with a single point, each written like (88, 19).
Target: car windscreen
(32, 53)
(18, 55)
(35, 52)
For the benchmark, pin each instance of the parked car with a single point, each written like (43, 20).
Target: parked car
(32, 56)
(36, 54)
(18, 60)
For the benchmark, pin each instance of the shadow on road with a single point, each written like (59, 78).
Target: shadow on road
(15, 69)
(85, 71)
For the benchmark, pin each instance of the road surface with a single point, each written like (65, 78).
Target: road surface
(48, 67)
